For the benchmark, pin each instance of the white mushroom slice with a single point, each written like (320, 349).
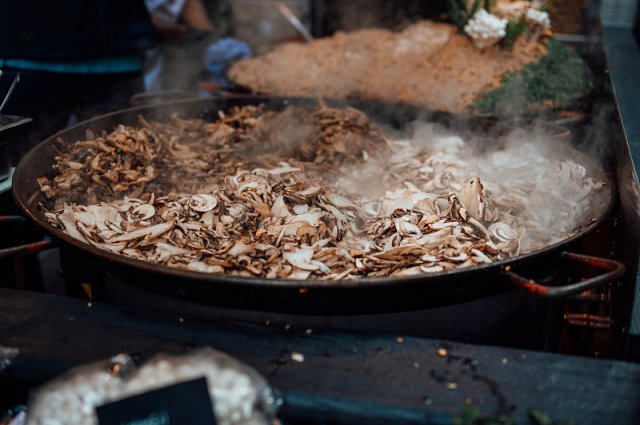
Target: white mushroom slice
(107, 234)
(290, 229)
(172, 249)
(113, 247)
(199, 266)
(372, 208)
(74, 165)
(472, 198)
(479, 226)
(426, 169)
(301, 259)
(439, 180)
(299, 274)
(421, 196)
(310, 191)
(364, 245)
(180, 151)
(431, 269)
(248, 186)
(393, 252)
(340, 201)
(127, 203)
(144, 211)
(189, 226)
(86, 232)
(401, 203)
(85, 218)
(240, 248)
(410, 271)
(284, 168)
(301, 208)
(103, 215)
(321, 243)
(502, 232)
(442, 206)
(227, 219)
(443, 224)
(66, 218)
(117, 248)
(133, 253)
(146, 232)
(434, 239)
(203, 202)
(429, 258)
(112, 227)
(313, 218)
(264, 247)
(391, 242)
(481, 256)
(280, 208)
(425, 205)
(460, 257)
(322, 267)
(207, 219)
(405, 228)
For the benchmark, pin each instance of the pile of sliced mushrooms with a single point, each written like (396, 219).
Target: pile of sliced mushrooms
(308, 193)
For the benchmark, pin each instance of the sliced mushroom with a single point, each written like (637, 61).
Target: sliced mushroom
(144, 211)
(502, 232)
(203, 202)
(145, 232)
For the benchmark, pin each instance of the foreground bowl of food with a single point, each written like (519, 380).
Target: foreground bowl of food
(273, 203)
(204, 385)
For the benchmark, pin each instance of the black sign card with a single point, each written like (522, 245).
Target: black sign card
(186, 403)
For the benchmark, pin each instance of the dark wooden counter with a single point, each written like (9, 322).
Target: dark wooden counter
(347, 378)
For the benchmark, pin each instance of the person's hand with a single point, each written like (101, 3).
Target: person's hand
(195, 15)
(168, 29)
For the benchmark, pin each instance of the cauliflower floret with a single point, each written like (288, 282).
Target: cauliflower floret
(485, 29)
(538, 18)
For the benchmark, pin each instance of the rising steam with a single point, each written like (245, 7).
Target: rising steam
(530, 179)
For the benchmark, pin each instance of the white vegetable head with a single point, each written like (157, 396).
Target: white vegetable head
(538, 17)
(485, 29)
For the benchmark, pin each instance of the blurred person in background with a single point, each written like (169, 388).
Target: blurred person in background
(191, 57)
(183, 28)
(77, 59)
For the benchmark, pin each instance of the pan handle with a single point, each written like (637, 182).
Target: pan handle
(615, 270)
(30, 248)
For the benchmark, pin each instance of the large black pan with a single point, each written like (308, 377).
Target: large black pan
(310, 296)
